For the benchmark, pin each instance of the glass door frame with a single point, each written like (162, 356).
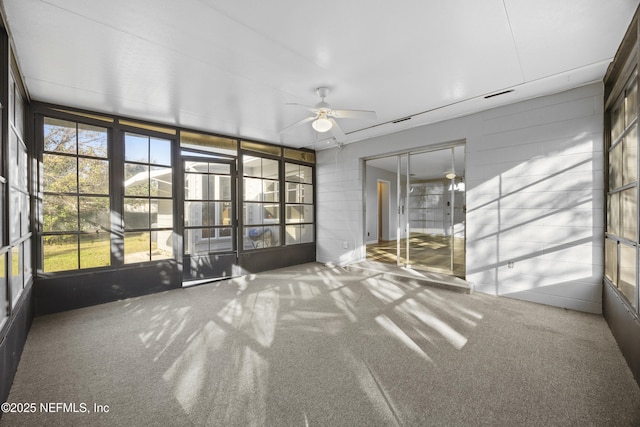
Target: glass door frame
(220, 264)
(403, 211)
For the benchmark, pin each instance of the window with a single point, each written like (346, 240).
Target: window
(19, 190)
(208, 207)
(298, 204)
(261, 202)
(108, 197)
(621, 245)
(81, 225)
(76, 211)
(148, 198)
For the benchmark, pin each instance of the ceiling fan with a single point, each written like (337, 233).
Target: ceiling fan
(324, 117)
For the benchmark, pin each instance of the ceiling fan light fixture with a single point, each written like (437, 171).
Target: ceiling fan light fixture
(321, 124)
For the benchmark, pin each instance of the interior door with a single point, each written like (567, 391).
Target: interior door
(210, 225)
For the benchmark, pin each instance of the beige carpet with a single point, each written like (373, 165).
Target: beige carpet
(315, 345)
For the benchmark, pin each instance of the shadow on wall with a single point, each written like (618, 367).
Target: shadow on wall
(542, 221)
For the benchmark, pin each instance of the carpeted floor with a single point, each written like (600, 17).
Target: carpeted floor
(319, 345)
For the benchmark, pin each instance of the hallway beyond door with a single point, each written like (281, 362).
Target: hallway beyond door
(428, 252)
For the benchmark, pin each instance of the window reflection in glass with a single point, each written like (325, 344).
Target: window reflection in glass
(629, 213)
(611, 260)
(621, 249)
(613, 217)
(615, 167)
(617, 122)
(631, 103)
(627, 279)
(629, 157)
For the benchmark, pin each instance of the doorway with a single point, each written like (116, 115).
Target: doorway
(429, 207)
(210, 227)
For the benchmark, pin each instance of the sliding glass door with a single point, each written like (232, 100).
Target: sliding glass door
(426, 202)
(436, 210)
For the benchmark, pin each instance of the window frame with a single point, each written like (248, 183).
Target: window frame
(242, 237)
(208, 158)
(287, 155)
(617, 241)
(78, 231)
(150, 133)
(301, 186)
(16, 243)
(117, 128)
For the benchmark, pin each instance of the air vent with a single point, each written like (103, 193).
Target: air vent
(498, 94)
(401, 120)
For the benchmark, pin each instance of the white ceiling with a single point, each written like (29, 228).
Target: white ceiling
(229, 66)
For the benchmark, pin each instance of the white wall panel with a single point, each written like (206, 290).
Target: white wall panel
(534, 196)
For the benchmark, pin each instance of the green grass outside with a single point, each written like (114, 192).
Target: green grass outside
(96, 253)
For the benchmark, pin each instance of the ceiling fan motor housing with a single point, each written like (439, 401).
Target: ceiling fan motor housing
(322, 92)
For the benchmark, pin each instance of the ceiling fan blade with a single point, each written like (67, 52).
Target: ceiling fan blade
(306, 107)
(355, 114)
(298, 123)
(337, 131)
